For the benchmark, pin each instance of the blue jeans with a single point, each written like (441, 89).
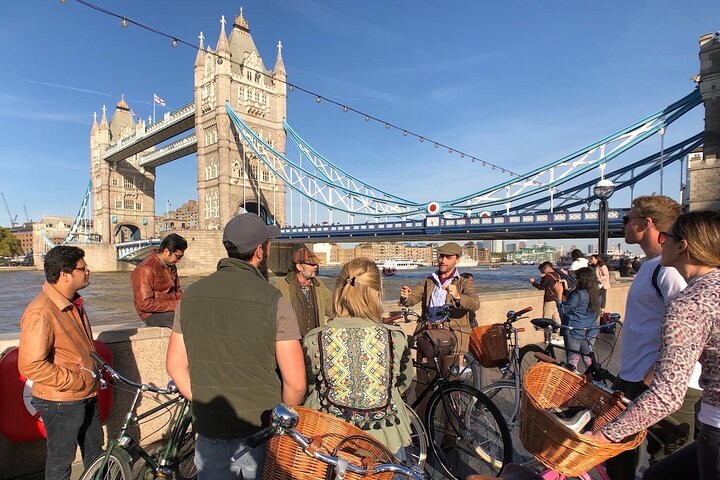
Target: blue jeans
(699, 460)
(579, 344)
(69, 424)
(213, 459)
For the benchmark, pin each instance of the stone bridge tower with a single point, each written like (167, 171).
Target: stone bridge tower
(123, 193)
(704, 170)
(230, 177)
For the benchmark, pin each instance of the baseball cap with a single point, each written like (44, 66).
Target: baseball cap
(246, 231)
(451, 248)
(304, 255)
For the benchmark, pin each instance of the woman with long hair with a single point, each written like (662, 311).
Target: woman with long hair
(580, 309)
(603, 277)
(690, 332)
(358, 367)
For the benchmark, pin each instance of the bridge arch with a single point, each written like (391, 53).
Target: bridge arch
(253, 207)
(126, 232)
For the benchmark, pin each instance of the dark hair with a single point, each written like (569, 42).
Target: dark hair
(577, 253)
(61, 259)
(542, 266)
(587, 280)
(232, 251)
(468, 275)
(600, 262)
(173, 243)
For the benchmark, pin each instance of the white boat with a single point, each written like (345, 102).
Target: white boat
(399, 264)
(466, 262)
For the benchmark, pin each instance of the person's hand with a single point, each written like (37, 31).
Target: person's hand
(405, 292)
(597, 437)
(452, 290)
(532, 279)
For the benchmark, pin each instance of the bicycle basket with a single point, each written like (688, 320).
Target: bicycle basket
(285, 459)
(489, 346)
(548, 386)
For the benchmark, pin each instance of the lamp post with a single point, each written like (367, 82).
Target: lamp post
(603, 190)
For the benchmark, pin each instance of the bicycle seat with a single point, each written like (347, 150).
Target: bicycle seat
(577, 422)
(511, 472)
(544, 323)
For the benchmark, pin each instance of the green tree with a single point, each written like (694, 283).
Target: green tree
(9, 244)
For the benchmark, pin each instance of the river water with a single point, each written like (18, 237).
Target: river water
(108, 298)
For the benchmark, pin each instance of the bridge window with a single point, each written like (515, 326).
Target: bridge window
(114, 181)
(141, 182)
(265, 175)
(211, 170)
(129, 203)
(138, 205)
(98, 182)
(118, 203)
(212, 208)
(128, 182)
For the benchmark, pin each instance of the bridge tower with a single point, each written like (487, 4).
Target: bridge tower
(704, 170)
(123, 193)
(230, 177)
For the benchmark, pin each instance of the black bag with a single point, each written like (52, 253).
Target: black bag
(436, 343)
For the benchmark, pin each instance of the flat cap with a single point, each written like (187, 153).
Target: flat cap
(451, 248)
(304, 255)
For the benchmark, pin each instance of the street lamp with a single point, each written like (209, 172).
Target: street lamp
(603, 190)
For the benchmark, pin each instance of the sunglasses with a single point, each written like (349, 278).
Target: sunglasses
(626, 219)
(663, 236)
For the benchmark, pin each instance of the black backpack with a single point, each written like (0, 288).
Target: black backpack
(570, 281)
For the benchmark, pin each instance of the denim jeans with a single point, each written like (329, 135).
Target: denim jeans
(579, 345)
(164, 319)
(213, 459)
(69, 424)
(699, 460)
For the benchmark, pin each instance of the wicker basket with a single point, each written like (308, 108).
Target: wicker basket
(489, 346)
(285, 460)
(552, 443)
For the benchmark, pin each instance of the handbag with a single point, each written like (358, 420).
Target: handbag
(436, 343)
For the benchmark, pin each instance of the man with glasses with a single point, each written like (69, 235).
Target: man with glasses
(54, 352)
(310, 298)
(155, 283)
(652, 287)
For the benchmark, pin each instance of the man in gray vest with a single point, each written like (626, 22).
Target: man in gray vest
(232, 333)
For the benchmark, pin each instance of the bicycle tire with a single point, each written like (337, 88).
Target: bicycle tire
(109, 466)
(472, 372)
(527, 358)
(416, 452)
(502, 394)
(467, 432)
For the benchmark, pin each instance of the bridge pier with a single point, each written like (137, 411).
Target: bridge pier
(704, 171)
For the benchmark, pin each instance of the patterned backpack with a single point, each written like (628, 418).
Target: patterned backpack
(356, 375)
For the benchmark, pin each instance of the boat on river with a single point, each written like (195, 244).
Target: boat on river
(399, 264)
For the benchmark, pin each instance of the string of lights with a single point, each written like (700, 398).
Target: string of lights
(175, 40)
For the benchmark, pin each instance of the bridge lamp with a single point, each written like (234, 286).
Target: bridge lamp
(603, 190)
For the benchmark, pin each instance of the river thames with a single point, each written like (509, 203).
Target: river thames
(108, 298)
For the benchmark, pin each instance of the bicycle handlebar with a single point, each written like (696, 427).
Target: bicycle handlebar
(284, 421)
(513, 316)
(170, 390)
(548, 323)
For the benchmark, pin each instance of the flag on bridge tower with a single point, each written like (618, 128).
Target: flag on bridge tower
(158, 100)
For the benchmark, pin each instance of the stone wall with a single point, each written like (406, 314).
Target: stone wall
(704, 174)
(139, 353)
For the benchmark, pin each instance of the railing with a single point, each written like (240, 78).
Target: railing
(174, 117)
(125, 249)
(168, 150)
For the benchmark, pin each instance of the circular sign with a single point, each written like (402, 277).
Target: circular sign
(433, 208)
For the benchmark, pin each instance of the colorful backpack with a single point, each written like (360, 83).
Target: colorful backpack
(356, 375)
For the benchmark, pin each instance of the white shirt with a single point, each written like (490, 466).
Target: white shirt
(644, 312)
(578, 264)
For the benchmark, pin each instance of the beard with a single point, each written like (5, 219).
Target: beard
(263, 266)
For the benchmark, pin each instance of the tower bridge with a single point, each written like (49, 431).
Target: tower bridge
(236, 126)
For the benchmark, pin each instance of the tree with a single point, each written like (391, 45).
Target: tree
(9, 244)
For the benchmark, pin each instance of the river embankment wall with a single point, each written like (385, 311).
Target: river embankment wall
(139, 353)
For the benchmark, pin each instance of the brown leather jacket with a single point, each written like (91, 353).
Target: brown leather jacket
(459, 318)
(55, 342)
(156, 286)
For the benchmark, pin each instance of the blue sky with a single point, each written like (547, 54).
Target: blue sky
(518, 83)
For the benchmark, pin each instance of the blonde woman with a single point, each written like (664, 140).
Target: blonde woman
(690, 332)
(358, 367)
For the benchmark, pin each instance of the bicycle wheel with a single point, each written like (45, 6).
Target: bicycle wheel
(527, 358)
(467, 432)
(471, 372)
(502, 394)
(183, 467)
(108, 466)
(416, 452)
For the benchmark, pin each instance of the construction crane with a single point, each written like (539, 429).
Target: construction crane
(13, 221)
(27, 217)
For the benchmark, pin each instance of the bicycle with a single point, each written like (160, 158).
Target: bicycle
(283, 421)
(505, 392)
(467, 432)
(173, 460)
